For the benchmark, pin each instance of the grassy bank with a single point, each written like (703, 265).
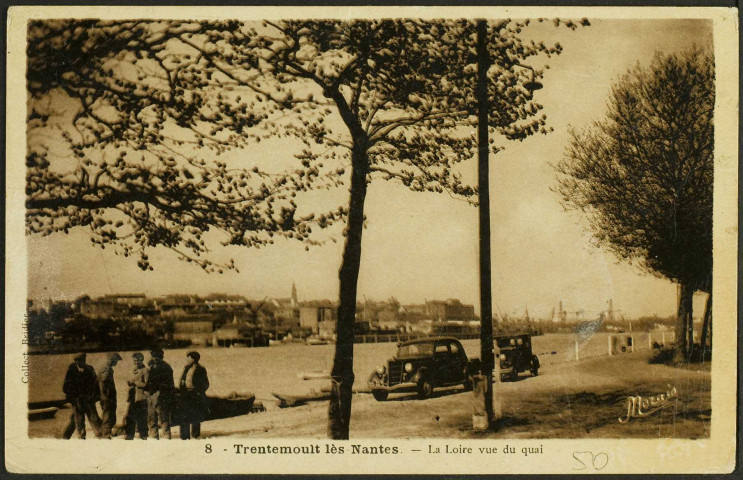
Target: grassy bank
(571, 400)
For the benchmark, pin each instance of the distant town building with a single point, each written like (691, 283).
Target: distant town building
(226, 336)
(198, 332)
(412, 314)
(179, 309)
(102, 308)
(311, 316)
(451, 310)
(129, 299)
(283, 314)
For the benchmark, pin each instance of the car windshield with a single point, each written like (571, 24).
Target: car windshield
(415, 349)
(505, 342)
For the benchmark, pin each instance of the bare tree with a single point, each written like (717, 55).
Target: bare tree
(644, 175)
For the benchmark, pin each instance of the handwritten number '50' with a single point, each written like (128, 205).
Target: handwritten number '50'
(597, 461)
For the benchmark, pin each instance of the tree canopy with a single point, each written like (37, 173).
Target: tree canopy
(125, 134)
(127, 120)
(644, 174)
(157, 105)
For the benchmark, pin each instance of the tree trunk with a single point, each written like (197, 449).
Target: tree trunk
(707, 326)
(339, 410)
(683, 319)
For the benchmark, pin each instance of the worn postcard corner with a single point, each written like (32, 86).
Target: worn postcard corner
(383, 240)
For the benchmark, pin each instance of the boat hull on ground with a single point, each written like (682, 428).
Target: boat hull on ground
(42, 413)
(232, 405)
(59, 403)
(297, 400)
(217, 408)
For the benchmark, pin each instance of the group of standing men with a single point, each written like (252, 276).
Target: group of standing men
(152, 399)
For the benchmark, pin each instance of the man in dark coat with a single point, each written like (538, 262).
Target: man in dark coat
(193, 386)
(161, 392)
(107, 390)
(81, 390)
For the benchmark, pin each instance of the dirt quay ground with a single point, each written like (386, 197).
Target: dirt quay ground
(567, 400)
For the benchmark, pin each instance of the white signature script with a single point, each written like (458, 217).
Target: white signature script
(641, 407)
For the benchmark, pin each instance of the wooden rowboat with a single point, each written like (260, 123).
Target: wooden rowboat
(58, 402)
(316, 375)
(232, 405)
(296, 400)
(42, 413)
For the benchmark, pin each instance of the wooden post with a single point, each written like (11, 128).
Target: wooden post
(577, 355)
(497, 400)
(632, 345)
(663, 338)
(480, 420)
(650, 340)
(609, 344)
(483, 196)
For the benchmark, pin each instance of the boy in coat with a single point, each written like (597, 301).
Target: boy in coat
(160, 391)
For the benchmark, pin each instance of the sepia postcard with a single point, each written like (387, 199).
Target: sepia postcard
(381, 240)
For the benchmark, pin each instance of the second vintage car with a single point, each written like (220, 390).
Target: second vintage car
(422, 365)
(514, 356)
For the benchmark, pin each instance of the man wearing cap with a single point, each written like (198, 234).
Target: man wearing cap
(80, 388)
(136, 418)
(193, 386)
(160, 390)
(107, 389)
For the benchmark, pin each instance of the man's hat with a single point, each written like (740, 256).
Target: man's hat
(138, 355)
(158, 352)
(79, 357)
(194, 355)
(114, 356)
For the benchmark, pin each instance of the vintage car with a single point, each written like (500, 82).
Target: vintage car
(423, 364)
(514, 355)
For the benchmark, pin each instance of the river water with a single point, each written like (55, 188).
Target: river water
(263, 371)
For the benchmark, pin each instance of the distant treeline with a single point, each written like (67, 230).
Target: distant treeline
(61, 326)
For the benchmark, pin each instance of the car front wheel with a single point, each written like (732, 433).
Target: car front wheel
(534, 367)
(425, 389)
(379, 395)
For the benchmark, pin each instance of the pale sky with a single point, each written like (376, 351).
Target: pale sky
(424, 246)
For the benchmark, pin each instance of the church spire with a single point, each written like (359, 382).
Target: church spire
(294, 295)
